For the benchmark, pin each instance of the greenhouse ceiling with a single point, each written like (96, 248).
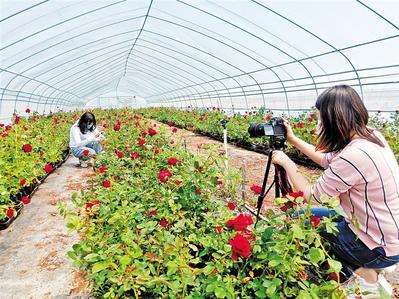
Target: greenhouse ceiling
(278, 54)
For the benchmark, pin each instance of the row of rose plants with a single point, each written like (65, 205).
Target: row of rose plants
(304, 125)
(30, 147)
(162, 222)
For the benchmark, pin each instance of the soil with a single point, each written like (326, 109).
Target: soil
(33, 260)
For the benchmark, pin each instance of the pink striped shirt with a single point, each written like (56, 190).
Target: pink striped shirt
(365, 177)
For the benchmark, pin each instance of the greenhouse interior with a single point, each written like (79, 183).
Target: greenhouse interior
(199, 149)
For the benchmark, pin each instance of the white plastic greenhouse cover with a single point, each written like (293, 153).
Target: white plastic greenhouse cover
(278, 54)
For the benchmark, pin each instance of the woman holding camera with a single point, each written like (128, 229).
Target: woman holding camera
(85, 138)
(362, 171)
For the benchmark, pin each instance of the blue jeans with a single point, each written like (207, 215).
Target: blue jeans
(350, 250)
(92, 147)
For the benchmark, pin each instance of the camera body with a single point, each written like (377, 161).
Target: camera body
(274, 128)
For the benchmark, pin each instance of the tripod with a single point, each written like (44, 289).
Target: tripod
(280, 182)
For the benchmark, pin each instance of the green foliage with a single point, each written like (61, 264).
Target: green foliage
(144, 238)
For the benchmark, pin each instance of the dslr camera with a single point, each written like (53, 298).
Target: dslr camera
(274, 129)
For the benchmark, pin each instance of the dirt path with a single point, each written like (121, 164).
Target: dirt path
(33, 259)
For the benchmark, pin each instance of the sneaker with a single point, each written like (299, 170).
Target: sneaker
(83, 164)
(358, 288)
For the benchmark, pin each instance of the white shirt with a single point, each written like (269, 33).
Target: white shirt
(77, 139)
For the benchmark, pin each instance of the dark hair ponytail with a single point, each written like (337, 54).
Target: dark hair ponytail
(342, 114)
(86, 118)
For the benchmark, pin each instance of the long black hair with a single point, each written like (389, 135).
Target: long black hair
(85, 119)
(342, 114)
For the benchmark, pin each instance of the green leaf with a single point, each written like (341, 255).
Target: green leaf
(220, 292)
(172, 267)
(267, 234)
(274, 263)
(125, 260)
(97, 267)
(316, 255)
(92, 257)
(298, 233)
(73, 222)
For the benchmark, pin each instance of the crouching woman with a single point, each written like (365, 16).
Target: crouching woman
(85, 138)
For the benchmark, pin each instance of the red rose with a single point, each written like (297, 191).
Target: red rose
(25, 128)
(106, 183)
(153, 212)
(313, 115)
(141, 142)
(17, 119)
(296, 194)
(137, 124)
(314, 220)
(135, 117)
(240, 223)
(174, 130)
(4, 135)
(103, 168)
(310, 119)
(198, 192)
(218, 229)
(170, 124)
(172, 141)
(287, 205)
(268, 118)
(163, 223)
(240, 246)
(333, 276)
(116, 178)
(117, 127)
(25, 200)
(89, 205)
(152, 132)
(86, 152)
(143, 133)
(134, 155)
(120, 154)
(27, 148)
(22, 182)
(10, 212)
(48, 168)
(8, 128)
(27, 110)
(312, 132)
(164, 175)
(173, 161)
(256, 189)
(177, 182)
(1, 125)
(157, 151)
(301, 124)
(231, 205)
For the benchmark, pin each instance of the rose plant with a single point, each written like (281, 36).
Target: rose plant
(150, 237)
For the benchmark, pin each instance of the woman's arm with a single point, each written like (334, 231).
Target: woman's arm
(306, 148)
(76, 137)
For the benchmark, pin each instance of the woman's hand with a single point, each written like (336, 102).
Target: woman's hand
(280, 158)
(290, 134)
